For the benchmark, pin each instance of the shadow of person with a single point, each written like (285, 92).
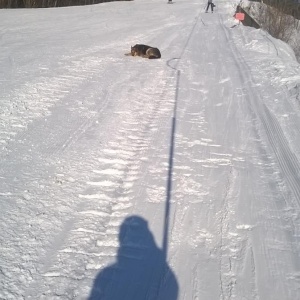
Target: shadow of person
(141, 271)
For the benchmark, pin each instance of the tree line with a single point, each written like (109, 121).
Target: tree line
(287, 7)
(280, 18)
(47, 3)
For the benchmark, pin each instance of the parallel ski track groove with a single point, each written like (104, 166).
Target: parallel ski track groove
(286, 159)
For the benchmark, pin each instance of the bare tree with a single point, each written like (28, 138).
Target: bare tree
(276, 17)
(47, 3)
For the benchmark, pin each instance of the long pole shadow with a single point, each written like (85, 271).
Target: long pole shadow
(170, 167)
(141, 270)
(172, 141)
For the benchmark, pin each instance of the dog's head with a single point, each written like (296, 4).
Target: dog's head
(135, 50)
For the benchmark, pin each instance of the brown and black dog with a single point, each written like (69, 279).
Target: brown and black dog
(144, 51)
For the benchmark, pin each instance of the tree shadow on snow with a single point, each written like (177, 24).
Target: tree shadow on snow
(141, 271)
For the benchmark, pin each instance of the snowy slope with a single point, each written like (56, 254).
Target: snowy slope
(128, 178)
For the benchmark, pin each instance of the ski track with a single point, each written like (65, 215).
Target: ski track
(280, 160)
(95, 151)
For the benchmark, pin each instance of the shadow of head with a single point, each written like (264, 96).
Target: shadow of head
(134, 233)
(140, 271)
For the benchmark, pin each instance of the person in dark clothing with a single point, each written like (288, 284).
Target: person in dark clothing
(211, 4)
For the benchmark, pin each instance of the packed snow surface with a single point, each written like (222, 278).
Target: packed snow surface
(128, 178)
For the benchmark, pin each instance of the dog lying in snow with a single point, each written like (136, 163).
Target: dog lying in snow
(144, 51)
